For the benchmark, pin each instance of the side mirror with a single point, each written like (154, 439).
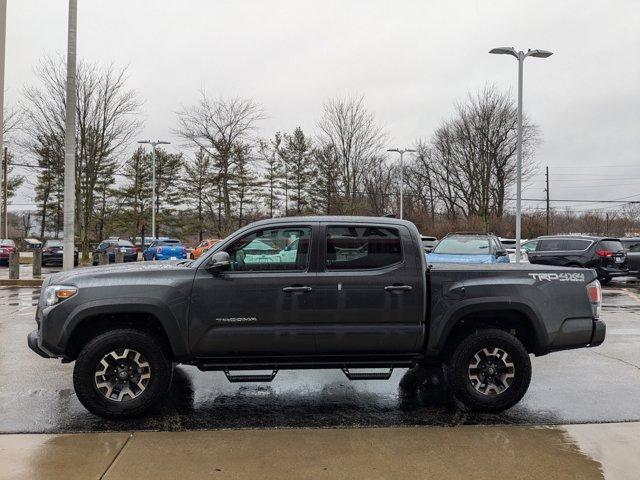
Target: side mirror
(501, 253)
(218, 263)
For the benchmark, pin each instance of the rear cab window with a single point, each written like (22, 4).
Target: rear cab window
(362, 247)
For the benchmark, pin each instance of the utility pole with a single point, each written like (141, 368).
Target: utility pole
(401, 151)
(70, 142)
(5, 188)
(548, 207)
(3, 36)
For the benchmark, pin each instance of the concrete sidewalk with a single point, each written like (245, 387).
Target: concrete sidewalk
(575, 451)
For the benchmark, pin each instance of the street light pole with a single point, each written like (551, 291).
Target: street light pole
(5, 194)
(520, 56)
(401, 151)
(70, 142)
(3, 31)
(153, 181)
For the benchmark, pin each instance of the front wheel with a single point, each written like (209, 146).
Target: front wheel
(122, 373)
(489, 370)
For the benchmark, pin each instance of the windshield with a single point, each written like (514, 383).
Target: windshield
(463, 245)
(7, 242)
(53, 243)
(613, 245)
(169, 243)
(125, 243)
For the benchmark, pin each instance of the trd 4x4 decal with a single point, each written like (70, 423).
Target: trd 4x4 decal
(558, 277)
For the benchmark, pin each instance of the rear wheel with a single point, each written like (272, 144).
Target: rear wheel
(489, 370)
(122, 373)
(605, 280)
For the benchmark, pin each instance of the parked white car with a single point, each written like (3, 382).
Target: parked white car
(509, 245)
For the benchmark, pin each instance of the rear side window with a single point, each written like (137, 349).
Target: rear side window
(362, 247)
(611, 245)
(575, 244)
(550, 245)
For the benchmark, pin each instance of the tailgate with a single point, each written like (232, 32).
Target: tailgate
(173, 251)
(611, 254)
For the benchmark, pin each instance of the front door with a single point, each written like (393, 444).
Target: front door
(261, 306)
(369, 292)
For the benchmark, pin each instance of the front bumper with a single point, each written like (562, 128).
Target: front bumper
(32, 341)
(598, 333)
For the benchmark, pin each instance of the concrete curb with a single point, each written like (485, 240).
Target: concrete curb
(22, 282)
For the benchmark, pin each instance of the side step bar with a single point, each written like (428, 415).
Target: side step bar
(238, 378)
(367, 375)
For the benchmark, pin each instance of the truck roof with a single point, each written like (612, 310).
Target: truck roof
(334, 218)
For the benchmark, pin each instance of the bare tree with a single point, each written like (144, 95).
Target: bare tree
(106, 122)
(380, 184)
(219, 126)
(356, 140)
(472, 156)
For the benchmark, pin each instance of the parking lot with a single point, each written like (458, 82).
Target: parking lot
(580, 386)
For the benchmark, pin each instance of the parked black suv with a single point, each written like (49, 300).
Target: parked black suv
(632, 249)
(605, 255)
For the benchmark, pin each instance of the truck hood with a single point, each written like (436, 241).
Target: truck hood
(450, 258)
(89, 274)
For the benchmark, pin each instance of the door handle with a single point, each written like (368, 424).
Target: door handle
(296, 289)
(392, 288)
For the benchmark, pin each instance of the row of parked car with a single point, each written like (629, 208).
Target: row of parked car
(610, 257)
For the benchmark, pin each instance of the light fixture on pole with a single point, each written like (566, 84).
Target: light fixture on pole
(401, 151)
(153, 181)
(520, 56)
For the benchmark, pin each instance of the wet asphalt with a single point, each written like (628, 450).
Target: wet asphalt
(579, 386)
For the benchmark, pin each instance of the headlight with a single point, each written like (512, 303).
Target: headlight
(57, 293)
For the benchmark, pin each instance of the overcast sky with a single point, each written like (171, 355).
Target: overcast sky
(411, 60)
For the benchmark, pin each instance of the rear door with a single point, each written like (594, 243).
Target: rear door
(548, 252)
(610, 254)
(369, 293)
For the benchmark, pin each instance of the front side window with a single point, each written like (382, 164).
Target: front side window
(530, 246)
(362, 247)
(631, 246)
(271, 249)
(464, 245)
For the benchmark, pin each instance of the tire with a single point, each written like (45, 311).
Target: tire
(459, 371)
(605, 280)
(152, 361)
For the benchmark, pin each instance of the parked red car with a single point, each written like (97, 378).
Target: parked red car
(7, 246)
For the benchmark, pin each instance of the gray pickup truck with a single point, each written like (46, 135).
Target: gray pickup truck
(353, 293)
